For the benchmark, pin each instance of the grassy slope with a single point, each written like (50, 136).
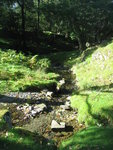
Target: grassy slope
(94, 75)
(93, 99)
(19, 72)
(91, 139)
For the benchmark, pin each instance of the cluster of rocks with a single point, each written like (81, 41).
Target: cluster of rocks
(55, 125)
(31, 111)
(67, 105)
(60, 84)
(30, 95)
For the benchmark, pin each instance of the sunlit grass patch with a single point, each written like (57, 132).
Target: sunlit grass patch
(19, 72)
(90, 139)
(95, 68)
(94, 108)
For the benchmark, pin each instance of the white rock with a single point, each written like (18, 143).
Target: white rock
(33, 113)
(56, 125)
(68, 98)
(30, 108)
(68, 103)
(60, 84)
(65, 107)
(62, 81)
(40, 107)
(20, 107)
(50, 94)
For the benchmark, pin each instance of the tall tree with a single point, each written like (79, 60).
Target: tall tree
(21, 3)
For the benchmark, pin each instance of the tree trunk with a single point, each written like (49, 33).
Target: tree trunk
(23, 24)
(38, 15)
(82, 44)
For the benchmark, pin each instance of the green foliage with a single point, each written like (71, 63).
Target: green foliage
(87, 21)
(84, 21)
(10, 56)
(44, 64)
(33, 62)
(20, 72)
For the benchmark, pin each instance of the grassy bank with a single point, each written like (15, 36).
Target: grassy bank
(21, 73)
(94, 76)
(93, 99)
(92, 138)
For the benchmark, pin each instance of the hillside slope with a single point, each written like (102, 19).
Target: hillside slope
(94, 75)
(93, 98)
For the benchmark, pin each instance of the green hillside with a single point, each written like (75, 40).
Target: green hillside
(93, 98)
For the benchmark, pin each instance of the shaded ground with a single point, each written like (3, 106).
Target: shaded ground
(24, 140)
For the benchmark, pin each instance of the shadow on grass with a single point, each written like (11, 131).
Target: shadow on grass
(94, 137)
(20, 139)
(99, 119)
(104, 88)
(90, 139)
(96, 108)
(104, 118)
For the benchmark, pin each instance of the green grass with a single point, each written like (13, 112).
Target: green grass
(95, 68)
(92, 138)
(20, 73)
(93, 99)
(94, 108)
(18, 138)
(94, 75)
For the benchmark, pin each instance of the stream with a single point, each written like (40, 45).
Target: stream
(50, 106)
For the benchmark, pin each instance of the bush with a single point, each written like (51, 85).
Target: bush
(44, 64)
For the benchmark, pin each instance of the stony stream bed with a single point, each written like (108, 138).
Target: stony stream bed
(35, 111)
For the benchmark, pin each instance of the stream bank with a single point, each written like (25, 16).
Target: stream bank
(22, 108)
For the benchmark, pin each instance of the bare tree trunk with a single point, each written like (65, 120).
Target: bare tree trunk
(22, 6)
(81, 43)
(23, 24)
(38, 15)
